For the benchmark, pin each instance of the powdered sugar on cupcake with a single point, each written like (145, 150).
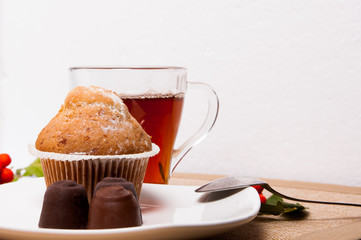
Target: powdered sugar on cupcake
(94, 121)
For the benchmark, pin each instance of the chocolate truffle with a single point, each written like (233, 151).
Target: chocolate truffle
(65, 206)
(111, 181)
(114, 207)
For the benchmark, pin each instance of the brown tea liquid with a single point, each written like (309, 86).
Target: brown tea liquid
(160, 116)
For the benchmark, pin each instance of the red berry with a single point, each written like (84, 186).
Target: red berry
(5, 159)
(1, 168)
(7, 175)
(262, 198)
(259, 188)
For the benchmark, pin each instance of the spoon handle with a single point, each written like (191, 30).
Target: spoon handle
(268, 187)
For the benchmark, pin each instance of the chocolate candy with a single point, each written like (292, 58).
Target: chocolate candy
(110, 181)
(65, 206)
(114, 207)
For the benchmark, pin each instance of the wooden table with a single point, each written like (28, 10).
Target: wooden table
(318, 222)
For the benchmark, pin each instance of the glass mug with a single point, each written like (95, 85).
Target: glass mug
(155, 97)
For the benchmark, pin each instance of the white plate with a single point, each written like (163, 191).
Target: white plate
(169, 212)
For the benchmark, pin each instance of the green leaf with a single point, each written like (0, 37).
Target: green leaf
(34, 169)
(275, 205)
(271, 209)
(274, 199)
(295, 206)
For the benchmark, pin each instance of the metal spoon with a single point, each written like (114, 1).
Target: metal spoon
(236, 182)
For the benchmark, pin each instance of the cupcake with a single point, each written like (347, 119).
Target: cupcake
(93, 136)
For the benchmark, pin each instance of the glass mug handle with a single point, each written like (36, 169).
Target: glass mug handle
(208, 123)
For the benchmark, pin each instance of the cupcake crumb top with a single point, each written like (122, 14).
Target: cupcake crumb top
(93, 121)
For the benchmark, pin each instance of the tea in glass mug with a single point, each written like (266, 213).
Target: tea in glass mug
(155, 98)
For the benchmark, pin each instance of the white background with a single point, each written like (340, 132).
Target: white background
(288, 75)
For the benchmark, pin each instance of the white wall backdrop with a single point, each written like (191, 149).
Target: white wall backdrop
(288, 75)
